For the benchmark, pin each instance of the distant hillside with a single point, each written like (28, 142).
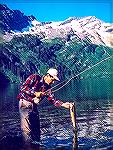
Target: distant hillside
(71, 46)
(13, 20)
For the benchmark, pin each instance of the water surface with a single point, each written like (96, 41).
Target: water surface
(94, 108)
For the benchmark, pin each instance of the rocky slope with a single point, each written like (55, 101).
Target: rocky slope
(13, 20)
(71, 46)
(97, 31)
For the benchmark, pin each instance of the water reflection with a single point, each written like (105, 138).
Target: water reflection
(94, 101)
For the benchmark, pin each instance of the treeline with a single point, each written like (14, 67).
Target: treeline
(27, 54)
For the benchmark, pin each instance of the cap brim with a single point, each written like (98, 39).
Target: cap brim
(56, 78)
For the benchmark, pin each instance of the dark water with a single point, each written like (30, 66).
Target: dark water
(94, 103)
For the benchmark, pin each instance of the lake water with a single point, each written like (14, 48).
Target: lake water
(94, 108)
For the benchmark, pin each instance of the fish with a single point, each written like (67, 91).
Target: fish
(73, 117)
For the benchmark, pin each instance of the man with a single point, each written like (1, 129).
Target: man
(34, 89)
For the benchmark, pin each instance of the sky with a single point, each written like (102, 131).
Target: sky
(60, 10)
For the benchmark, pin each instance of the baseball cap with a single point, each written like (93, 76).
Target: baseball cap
(53, 72)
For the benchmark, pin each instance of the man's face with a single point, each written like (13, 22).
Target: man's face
(49, 79)
(52, 79)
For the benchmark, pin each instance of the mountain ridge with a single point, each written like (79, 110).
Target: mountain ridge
(12, 20)
(96, 30)
(71, 46)
(87, 26)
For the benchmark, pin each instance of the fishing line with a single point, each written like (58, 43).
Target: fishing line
(78, 74)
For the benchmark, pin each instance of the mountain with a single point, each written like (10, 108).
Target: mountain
(88, 27)
(72, 46)
(13, 20)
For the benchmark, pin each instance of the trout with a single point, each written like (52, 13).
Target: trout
(73, 116)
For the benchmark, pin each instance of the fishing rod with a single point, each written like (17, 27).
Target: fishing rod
(68, 80)
(73, 106)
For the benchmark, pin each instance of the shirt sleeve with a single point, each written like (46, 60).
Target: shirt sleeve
(54, 101)
(26, 87)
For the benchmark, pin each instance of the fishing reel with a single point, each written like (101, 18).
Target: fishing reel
(40, 94)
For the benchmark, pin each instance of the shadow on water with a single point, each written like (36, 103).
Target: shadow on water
(16, 143)
(94, 119)
(11, 143)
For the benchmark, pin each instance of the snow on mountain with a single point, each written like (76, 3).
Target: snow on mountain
(13, 22)
(85, 27)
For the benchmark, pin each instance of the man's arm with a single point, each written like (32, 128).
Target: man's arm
(27, 89)
(58, 103)
(66, 105)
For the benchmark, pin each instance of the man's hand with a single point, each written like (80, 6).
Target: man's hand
(38, 94)
(36, 100)
(66, 105)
